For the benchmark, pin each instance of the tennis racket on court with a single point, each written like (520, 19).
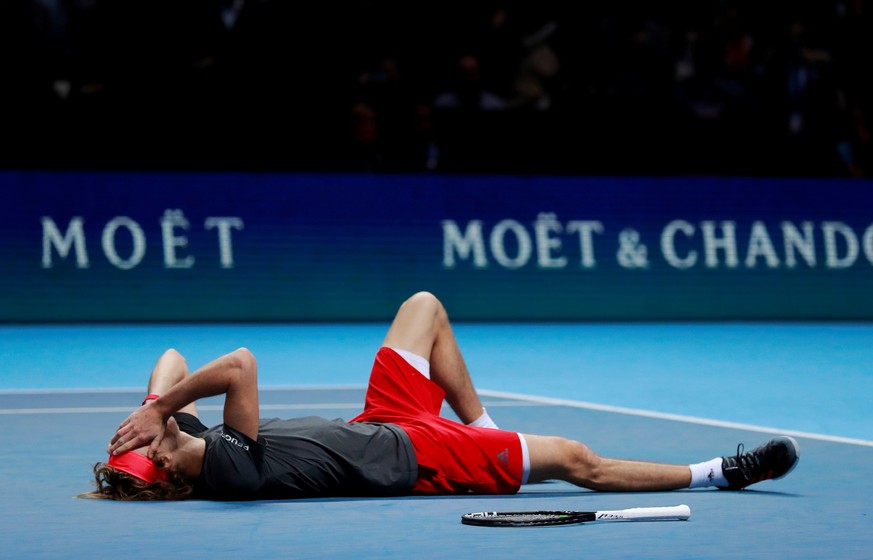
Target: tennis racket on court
(546, 518)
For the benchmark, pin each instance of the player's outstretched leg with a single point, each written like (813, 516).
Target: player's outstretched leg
(564, 459)
(769, 461)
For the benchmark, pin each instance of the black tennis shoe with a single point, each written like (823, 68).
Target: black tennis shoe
(773, 460)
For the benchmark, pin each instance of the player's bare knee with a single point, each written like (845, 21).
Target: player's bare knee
(583, 463)
(424, 303)
(422, 299)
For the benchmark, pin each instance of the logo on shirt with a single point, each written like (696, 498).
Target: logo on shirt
(234, 441)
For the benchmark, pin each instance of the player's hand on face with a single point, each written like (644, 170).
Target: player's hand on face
(145, 426)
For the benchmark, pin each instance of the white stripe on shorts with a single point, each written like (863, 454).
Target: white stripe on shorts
(525, 459)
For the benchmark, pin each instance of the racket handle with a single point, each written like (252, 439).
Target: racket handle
(670, 513)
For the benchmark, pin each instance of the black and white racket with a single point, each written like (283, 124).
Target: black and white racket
(544, 518)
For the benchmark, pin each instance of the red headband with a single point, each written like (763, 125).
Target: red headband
(138, 465)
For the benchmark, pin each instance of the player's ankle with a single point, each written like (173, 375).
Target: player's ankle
(707, 473)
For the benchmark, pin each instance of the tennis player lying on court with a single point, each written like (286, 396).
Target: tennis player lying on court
(398, 445)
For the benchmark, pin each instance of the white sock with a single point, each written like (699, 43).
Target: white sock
(708, 473)
(484, 421)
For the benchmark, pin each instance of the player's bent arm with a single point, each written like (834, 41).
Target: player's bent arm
(170, 369)
(234, 375)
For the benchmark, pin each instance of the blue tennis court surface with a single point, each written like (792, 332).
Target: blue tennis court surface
(674, 393)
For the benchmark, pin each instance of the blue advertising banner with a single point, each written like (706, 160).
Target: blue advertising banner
(160, 246)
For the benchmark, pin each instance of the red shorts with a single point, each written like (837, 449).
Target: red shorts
(452, 457)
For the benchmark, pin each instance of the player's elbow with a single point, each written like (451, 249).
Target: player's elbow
(244, 362)
(173, 355)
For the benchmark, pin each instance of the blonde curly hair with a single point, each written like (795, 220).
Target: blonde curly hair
(113, 484)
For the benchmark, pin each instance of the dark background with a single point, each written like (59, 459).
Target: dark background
(693, 87)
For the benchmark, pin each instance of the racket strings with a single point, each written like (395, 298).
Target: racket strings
(531, 517)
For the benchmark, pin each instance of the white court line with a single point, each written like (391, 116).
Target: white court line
(71, 391)
(528, 400)
(208, 407)
(673, 417)
(215, 407)
(142, 390)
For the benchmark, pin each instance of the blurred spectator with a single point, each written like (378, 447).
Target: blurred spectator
(537, 71)
(468, 90)
(366, 150)
(500, 86)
